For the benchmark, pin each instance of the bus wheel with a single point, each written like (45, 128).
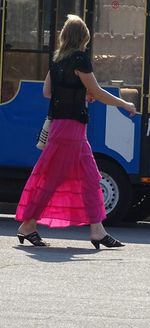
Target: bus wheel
(117, 190)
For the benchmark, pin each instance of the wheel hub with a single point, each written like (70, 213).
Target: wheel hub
(110, 192)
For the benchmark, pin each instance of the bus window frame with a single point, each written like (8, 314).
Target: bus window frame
(2, 41)
(145, 99)
(44, 49)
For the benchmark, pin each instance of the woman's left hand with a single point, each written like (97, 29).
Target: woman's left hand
(130, 107)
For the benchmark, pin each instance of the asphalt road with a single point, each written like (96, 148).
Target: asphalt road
(71, 284)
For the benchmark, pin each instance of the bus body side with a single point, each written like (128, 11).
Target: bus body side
(113, 135)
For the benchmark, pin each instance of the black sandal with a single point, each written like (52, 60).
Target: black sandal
(34, 238)
(107, 241)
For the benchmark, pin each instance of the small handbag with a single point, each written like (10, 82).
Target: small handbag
(43, 135)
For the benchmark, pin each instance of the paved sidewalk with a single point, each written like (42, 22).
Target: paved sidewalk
(71, 284)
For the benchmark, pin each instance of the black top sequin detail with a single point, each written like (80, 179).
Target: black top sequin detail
(68, 92)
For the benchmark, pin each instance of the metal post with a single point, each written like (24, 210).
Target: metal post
(53, 28)
(2, 38)
(145, 100)
(146, 62)
(89, 19)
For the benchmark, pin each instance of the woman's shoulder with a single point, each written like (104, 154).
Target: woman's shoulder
(82, 61)
(80, 57)
(76, 60)
(79, 54)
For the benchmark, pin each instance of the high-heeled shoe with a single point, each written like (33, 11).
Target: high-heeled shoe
(34, 238)
(107, 241)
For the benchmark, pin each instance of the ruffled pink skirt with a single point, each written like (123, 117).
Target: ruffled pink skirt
(64, 186)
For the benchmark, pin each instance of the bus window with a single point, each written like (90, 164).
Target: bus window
(69, 7)
(118, 46)
(26, 53)
(27, 32)
(65, 7)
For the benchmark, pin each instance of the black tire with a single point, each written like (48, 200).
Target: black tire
(117, 191)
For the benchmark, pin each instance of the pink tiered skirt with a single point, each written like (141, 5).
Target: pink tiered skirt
(64, 186)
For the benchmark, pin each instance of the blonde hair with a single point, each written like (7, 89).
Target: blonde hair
(73, 36)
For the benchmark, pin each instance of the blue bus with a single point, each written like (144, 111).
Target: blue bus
(120, 51)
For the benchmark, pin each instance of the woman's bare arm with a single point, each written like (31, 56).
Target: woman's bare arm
(47, 86)
(91, 84)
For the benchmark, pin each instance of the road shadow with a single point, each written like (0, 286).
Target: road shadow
(61, 254)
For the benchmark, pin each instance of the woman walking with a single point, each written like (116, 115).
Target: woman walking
(64, 186)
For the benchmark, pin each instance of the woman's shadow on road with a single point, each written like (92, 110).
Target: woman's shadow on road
(61, 254)
(136, 235)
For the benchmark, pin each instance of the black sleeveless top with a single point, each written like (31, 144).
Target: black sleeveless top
(68, 92)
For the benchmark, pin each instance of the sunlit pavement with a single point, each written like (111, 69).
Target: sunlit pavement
(71, 284)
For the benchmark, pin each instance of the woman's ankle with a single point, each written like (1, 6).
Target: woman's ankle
(27, 227)
(98, 232)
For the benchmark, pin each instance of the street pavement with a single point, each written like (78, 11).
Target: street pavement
(71, 284)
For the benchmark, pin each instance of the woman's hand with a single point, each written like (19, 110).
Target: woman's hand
(130, 107)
